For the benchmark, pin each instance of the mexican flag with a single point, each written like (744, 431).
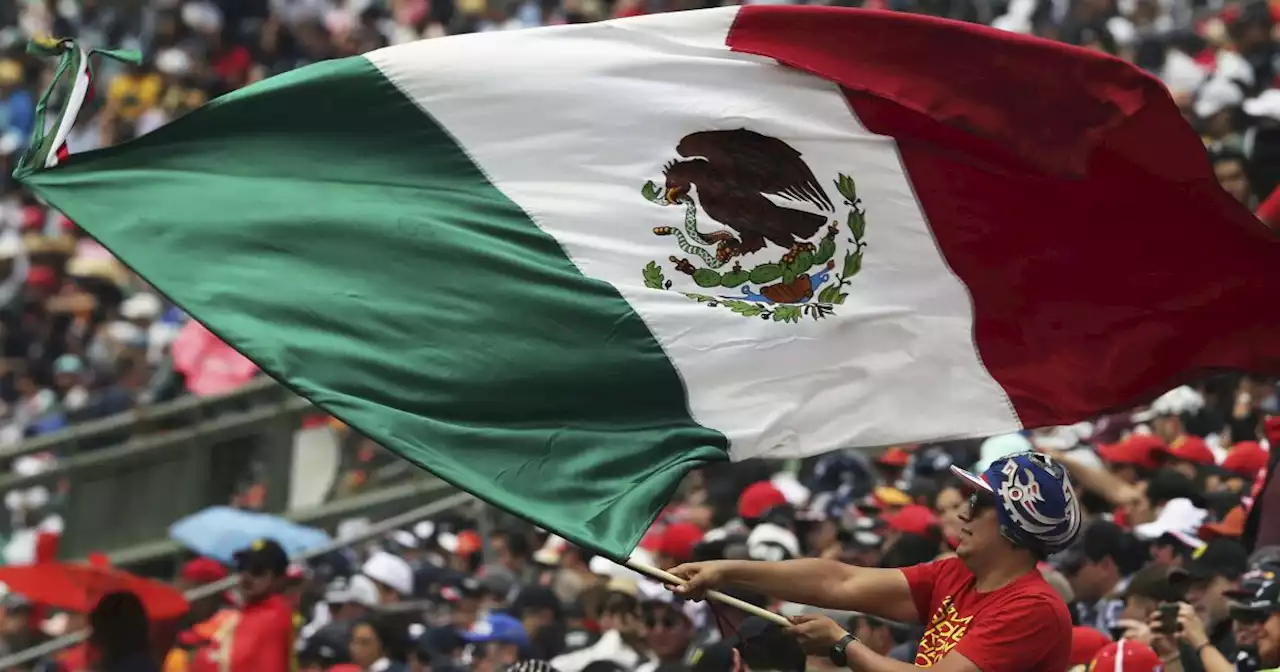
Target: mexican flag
(562, 267)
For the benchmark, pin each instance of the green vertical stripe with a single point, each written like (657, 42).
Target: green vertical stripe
(331, 231)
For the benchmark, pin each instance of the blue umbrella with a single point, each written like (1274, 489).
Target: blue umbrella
(219, 531)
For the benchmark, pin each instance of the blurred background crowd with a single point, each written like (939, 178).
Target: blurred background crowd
(1169, 487)
(1179, 553)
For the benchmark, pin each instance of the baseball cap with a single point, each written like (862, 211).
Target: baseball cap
(763, 645)
(1220, 557)
(1192, 449)
(717, 657)
(895, 457)
(1086, 642)
(497, 627)
(1126, 655)
(1265, 598)
(1139, 450)
(1179, 518)
(390, 570)
(203, 570)
(996, 447)
(1246, 458)
(360, 589)
(677, 540)
(1231, 525)
(1250, 582)
(327, 654)
(262, 555)
(886, 497)
(758, 498)
(460, 588)
(912, 519)
(1037, 507)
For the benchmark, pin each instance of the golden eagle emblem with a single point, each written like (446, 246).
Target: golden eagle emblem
(731, 176)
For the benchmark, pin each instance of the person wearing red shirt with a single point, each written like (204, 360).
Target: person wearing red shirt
(259, 636)
(988, 609)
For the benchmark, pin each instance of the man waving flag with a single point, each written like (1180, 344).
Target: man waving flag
(561, 268)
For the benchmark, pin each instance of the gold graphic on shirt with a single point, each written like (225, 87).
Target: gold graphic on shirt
(946, 629)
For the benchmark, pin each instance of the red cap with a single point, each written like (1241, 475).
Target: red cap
(1232, 525)
(677, 541)
(42, 276)
(1086, 642)
(1139, 450)
(32, 218)
(1246, 458)
(912, 519)
(1126, 655)
(758, 498)
(894, 457)
(1271, 429)
(1192, 449)
(203, 570)
(468, 542)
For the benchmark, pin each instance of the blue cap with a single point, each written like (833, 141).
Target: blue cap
(498, 628)
(1036, 505)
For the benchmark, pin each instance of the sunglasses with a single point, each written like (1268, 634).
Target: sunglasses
(979, 502)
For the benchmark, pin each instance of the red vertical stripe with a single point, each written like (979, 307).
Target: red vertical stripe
(1104, 262)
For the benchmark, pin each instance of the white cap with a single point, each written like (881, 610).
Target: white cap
(1179, 518)
(1218, 94)
(795, 494)
(1267, 104)
(1181, 73)
(1000, 446)
(425, 529)
(143, 306)
(359, 590)
(551, 551)
(772, 542)
(1177, 401)
(404, 538)
(391, 571)
(174, 61)
(1231, 65)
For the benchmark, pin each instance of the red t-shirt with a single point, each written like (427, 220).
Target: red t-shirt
(1022, 627)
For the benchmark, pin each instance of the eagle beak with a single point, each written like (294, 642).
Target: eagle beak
(672, 196)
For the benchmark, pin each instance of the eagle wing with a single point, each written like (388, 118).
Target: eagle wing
(758, 162)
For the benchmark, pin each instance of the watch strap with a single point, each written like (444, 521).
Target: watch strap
(838, 651)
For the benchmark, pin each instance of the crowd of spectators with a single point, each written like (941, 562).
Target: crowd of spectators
(1167, 562)
(1167, 488)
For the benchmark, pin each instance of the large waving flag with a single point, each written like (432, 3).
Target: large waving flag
(560, 268)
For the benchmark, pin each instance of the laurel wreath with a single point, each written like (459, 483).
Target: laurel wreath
(828, 298)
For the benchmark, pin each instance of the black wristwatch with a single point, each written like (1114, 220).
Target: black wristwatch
(838, 655)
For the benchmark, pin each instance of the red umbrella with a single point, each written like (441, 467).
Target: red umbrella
(78, 587)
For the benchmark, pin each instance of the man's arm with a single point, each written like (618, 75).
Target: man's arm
(822, 583)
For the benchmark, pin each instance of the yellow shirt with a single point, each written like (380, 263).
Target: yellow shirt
(132, 94)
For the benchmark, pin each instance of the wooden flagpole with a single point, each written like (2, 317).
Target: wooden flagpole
(673, 580)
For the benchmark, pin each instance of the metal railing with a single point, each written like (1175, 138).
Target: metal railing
(168, 415)
(172, 459)
(373, 532)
